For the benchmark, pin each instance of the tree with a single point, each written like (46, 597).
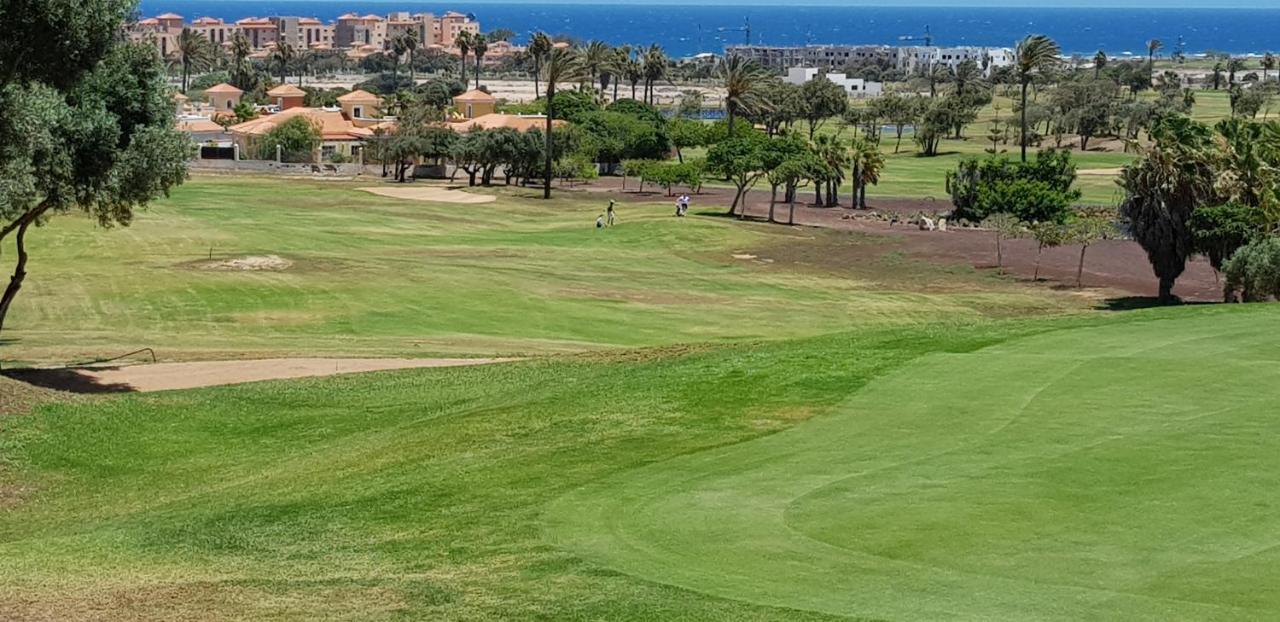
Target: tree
(1268, 63)
(1153, 46)
(1036, 191)
(1220, 230)
(655, 68)
(479, 47)
(284, 56)
(686, 133)
(867, 163)
(242, 74)
(1005, 227)
(408, 42)
(88, 123)
(900, 112)
(1217, 75)
(562, 65)
(791, 174)
(296, 140)
(1099, 63)
(193, 52)
(966, 77)
(742, 80)
(1089, 226)
(741, 159)
(822, 99)
(463, 43)
(1035, 54)
(1046, 235)
(597, 57)
(1253, 272)
(539, 47)
(1171, 178)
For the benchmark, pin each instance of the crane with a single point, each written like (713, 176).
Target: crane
(927, 37)
(744, 28)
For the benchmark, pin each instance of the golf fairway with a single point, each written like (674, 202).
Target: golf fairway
(1123, 472)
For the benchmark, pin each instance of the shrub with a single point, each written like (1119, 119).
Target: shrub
(1038, 190)
(1253, 272)
(297, 138)
(1220, 230)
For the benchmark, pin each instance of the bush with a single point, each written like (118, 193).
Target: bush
(202, 82)
(571, 105)
(1038, 190)
(1253, 272)
(1220, 230)
(298, 139)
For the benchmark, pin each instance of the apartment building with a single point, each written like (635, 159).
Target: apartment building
(906, 58)
(365, 33)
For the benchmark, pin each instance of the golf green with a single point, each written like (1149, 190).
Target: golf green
(1119, 472)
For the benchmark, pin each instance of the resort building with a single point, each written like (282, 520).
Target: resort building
(287, 96)
(364, 34)
(906, 58)
(855, 87)
(475, 110)
(223, 98)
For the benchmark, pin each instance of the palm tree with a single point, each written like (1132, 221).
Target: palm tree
(539, 47)
(867, 163)
(193, 53)
(562, 65)
(463, 43)
(655, 68)
(284, 56)
(409, 43)
(1099, 62)
(1035, 53)
(595, 62)
(742, 80)
(965, 75)
(1217, 75)
(935, 73)
(478, 47)
(1234, 65)
(634, 71)
(618, 67)
(398, 49)
(1268, 63)
(1174, 176)
(1153, 46)
(242, 73)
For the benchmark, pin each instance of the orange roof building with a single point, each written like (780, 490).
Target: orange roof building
(475, 103)
(493, 121)
(287, 96)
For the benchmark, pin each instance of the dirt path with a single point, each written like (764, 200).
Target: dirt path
(1119, 265)
(169, 376)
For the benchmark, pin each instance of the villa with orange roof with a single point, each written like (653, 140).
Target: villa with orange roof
(343, 130)
(476, 111)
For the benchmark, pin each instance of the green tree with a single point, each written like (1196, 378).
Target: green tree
(1099, 63)
(479, 47)
(1172, 177)
(1153, 46)
(539, 47)
(295, 140)
(1220, 230)
(1004, 227)
(1034, 55)
(1087, 227)
(822, 99)
(740, 159)
(1036, 191)
(742, 80)
(1253, 272)
(1046, 235)
(193, 52)
(867, 163)
(562, 65)
(88, 123)
(463, 43)
(686, 133)
(283, 56)
(655, 68)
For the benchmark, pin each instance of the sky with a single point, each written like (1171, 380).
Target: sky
(1247, 4)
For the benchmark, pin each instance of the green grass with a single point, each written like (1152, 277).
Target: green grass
(1112, 467)
(374, 275)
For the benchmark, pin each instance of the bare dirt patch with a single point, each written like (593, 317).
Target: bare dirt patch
(434, 194)
(170, 376)
(250, 263)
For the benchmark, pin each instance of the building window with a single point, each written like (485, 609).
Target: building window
(327, 151)
(357, 112)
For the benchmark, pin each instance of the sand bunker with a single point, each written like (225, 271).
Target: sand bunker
(429, 193)
(252, 262)
(167, 376)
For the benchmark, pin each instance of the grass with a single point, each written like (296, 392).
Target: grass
(1048, 468)
(374, 275)
(861, 436)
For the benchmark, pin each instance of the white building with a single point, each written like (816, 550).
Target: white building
(907, 58)
(855, 87)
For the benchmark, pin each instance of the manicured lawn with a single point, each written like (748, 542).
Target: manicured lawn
(386, 276)
(1106, 467)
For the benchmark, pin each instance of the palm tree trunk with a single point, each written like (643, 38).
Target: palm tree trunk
(729, 109)
(773, 200)
(546, 169)
(537, 70)
(862, 196)
(478, 59)
(464, 70)
(1024, 120)
(1080, 268)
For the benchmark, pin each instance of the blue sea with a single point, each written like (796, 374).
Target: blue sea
(688, 30)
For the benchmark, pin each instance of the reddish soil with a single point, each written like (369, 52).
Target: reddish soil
(1115, 264)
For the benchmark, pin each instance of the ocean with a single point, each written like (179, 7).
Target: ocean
(688, 30)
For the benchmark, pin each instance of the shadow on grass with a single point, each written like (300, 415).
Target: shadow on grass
(1134, 303)
(66, 379)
